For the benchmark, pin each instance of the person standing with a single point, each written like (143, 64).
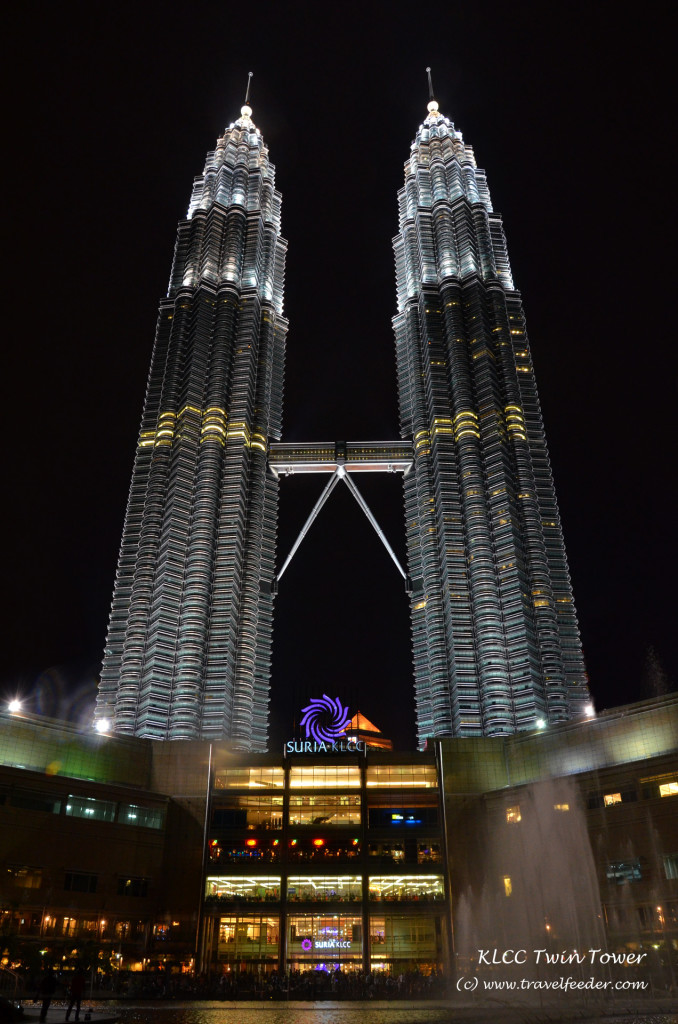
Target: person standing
(47, 989)
(75, 991)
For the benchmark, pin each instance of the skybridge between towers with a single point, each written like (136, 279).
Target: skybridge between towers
(355, 457)
(341, 459)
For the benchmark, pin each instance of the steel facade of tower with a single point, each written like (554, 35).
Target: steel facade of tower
(495, 636)
(189, 643)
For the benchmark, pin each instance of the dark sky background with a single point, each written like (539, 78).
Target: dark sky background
(109, 116)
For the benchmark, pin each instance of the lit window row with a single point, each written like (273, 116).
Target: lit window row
(328, 777)
(90, 808)
(319, 937)
(325, 888)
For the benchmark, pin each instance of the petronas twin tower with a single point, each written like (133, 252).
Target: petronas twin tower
(495, 638)
(188, 652)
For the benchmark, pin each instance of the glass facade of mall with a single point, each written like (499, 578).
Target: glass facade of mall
(319, 864)
(195, 855)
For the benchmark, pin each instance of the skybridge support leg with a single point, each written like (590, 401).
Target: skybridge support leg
(331, 484)
(366, 509)
(341, 474)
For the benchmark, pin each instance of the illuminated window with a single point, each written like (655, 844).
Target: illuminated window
(320, 850)
(90, 808)
(324, 889)
(24, 877)
(250, 778)
(403, 817)
(249, 811)
(513, 815)
(671, 865)
(601, 799)
(331, 809)
(420, 776)
(660, 785)
(389, 851)
(406, 887)
(624, 871)
(243, 853)
(508, 885)
(429, 853)
(257, 890)
(561, 807)
(142, 817)
(241, 938)
(400, 937)
(324, 777)
(320, 937)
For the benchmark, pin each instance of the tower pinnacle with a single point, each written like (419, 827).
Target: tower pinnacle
(432, 104)
(246, 110)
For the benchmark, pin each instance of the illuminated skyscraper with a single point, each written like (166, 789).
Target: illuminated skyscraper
(495, 637)
(189, 641)
(496, 644)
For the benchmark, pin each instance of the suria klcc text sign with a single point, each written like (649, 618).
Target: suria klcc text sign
(308, 944)
(325, 721)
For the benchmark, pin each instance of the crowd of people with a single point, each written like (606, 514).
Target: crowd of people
(306, 985)
(337, 984)
(322, 983)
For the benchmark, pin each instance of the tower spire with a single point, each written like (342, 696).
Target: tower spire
(432, 105)
(246, 110)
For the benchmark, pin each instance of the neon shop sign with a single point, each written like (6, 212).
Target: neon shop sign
(308, 944)
(325, 721)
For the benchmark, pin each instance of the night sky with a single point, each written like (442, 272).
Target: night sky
(109, 118)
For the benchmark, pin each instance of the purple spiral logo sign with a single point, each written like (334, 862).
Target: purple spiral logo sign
(306, 944)
(315, 719)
